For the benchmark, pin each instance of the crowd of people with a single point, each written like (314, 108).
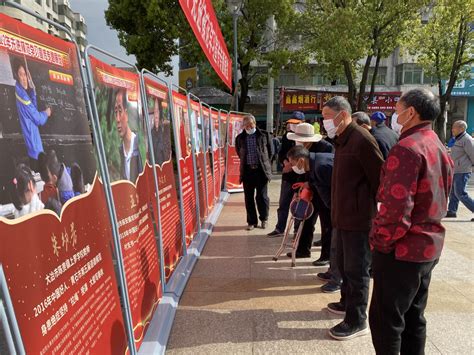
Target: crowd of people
(380, 190)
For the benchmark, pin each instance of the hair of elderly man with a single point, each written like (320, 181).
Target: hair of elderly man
(460, 124)
(338, 103)
(249, 118)
(361, 118)
(298, 152)
(423, 101)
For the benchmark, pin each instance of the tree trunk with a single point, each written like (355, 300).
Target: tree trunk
(361, 104)
(374, 79)
(244, 86)
(351, 85)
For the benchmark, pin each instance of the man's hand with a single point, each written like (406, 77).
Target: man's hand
(286, 166)
(48, 111)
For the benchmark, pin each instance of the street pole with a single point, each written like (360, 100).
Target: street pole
(236, 77)
(271, 81)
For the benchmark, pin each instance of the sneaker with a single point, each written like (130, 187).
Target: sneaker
(337, 308)
(330, 287)
(472, 219)
(274, 234)
(264, 224)
(345, 331)
(320, 262)
(317, 243)
(298, 255)
(251, 227)
(324, 276)
(451, 214)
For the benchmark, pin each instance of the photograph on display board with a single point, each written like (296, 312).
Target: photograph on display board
(160, 124)
(65, 276)
(184, 130)
(117, 100)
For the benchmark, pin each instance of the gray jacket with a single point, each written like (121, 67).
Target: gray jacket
(462, 153)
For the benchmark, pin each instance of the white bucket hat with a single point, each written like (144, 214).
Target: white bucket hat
(304, 132)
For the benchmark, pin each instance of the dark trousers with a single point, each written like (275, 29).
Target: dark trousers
(398, 303)
(255, 180)
(353, 261)
(286, 194)
(333, 269)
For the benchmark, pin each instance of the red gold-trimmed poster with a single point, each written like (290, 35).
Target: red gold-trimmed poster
(160, 123)
(122, 127)
(206, 113)
(197, 124)
(216, 152)
(183, 152)
(56, 255)
(233, 160)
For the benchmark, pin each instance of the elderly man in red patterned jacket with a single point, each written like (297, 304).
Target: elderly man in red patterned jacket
(407, 236)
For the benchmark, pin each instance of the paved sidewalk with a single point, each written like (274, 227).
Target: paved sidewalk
(239, 301)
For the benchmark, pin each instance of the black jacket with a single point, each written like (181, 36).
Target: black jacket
(386, 138)
(320, 174)
(264, 151)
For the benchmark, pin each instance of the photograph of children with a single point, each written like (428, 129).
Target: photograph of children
(160, 130)
(184, 132)
(45, 134)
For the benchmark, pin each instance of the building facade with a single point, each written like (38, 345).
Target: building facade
(58, 11)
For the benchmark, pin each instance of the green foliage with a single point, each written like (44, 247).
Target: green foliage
(340, 34)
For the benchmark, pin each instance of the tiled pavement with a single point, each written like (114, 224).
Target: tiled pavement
(238, 301)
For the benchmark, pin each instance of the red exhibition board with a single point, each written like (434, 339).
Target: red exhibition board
(234, 128)
(216, 152)
(122, 127)
(197, 125)
(160, 124)
(223, 116)
(55, 253)
(206, 113)
(183, 152)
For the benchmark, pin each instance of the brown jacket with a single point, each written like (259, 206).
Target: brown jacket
(355, 179)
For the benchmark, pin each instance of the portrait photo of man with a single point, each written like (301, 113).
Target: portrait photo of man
(160, 133)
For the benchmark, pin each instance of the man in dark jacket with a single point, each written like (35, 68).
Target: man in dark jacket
(288, 177)
(254, 147)
(386, 138)
(355, 181)
(316, 169)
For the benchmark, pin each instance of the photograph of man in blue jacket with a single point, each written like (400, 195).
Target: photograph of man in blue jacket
(30, 117)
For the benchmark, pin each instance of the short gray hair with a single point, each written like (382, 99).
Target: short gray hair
(461, 124)
(249, 118)
(361, 118)
(425, 103)
(339, 103)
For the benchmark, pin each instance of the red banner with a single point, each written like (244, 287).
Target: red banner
(233, 160)
(55, 234)
(185, 164)
(160, 123)
(122, 127)
(202, 19)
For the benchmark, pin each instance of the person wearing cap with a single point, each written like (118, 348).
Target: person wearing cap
(288, 176)
(316, 170)
(386, 138)
(254, 148)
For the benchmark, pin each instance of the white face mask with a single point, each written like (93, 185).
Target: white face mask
(298, 170)
(291, 127)
(396, 126)
(251, 130)
(330, 128)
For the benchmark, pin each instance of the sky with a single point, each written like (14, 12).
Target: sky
(101, 35)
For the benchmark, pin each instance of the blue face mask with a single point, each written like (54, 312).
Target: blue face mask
(451, 142)
(251, 130)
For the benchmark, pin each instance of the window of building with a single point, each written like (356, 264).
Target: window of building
(381, 76)
(409, 74)
(55, 6)
(37, 19)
